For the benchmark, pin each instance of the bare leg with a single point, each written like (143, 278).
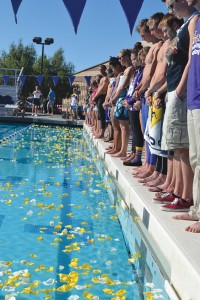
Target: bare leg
(117, 137)
(124, 125)
(187, 174)
(178, 188)
(168, 182)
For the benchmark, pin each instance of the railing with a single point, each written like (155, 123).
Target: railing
(19, 85)
(12, 89)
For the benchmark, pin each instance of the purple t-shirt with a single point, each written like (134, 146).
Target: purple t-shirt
(193, 84)
(135, 82)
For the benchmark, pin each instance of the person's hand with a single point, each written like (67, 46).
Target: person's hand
(105, 104)
(179, 92)
(148, 93)
(149, 100)
(136, 95)
(156, 95)
(137, 105)
(158, 103)
(112, 100)
(125, 104)
(171, 50)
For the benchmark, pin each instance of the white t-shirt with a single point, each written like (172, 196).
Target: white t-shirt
(74, 100)
(37, 94)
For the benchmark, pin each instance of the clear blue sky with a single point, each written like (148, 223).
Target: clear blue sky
(103, 30)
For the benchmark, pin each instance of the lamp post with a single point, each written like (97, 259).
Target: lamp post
(47, 41)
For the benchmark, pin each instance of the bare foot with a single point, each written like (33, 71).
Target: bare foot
(185, 216)
(128, 156)
(128, 159)
(156, 182)
(144, 174)
(98, 136)
(110, 147)
(148, 179)
(119, 154)
(113, 151)
(110, 150)
(195, 228)
(139, 170)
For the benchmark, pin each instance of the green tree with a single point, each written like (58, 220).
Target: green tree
(20, 56)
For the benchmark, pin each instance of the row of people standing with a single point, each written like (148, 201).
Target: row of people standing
(150, 95)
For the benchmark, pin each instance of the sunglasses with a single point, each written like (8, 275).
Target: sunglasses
(170, 7)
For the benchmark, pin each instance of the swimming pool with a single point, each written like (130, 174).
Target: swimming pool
(10, 130)
(60, 237)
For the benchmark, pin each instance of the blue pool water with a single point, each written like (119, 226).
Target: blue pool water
(9, 129)
(60, 237)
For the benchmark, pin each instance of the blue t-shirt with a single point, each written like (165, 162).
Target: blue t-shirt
(52, 95)
(193, 84)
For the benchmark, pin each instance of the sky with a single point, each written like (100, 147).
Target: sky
(103, 29)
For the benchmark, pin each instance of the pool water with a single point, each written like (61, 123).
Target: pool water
(60, 235)
(9, 130)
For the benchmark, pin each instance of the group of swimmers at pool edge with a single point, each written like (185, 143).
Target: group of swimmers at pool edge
(155, 91)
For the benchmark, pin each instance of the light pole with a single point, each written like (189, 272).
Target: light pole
(47, 41)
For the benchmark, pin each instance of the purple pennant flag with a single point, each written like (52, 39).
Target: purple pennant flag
(22, 79)
(131, 9)
(55, 79)
(75, 9)
(71, 79)
(5, 79)
(40, 79)
(16, 5)
(87, 79)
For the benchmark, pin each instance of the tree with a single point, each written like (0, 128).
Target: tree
(20, 56)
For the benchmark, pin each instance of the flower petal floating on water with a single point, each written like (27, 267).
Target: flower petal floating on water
(88, 295)
(8, 202)
(108, 291)
(73, 297)
(113, 217)
(33, 255)
(49, 281)
(131, 260)
(120, 293)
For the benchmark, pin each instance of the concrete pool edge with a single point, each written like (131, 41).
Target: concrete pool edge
(178, 249)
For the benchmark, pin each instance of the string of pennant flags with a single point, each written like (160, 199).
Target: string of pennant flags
(75, 9)
(40, 78)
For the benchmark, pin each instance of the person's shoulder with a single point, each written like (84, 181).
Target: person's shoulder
(194, 20)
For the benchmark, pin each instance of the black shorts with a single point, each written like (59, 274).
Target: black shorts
(36, 101)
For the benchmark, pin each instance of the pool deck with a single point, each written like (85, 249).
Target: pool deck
(44, 119)
(175, 250)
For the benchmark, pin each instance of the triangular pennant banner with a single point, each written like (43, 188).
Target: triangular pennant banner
(71, 79)
(16, 5)
(87, 79)
(22, 79)
(40, 79)
(131, 9)
(55, 79)
(75, 9)
(5, 79)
